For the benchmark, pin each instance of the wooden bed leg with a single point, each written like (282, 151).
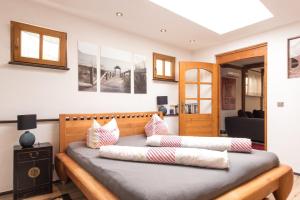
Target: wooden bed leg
(60, 170)
(285, 186)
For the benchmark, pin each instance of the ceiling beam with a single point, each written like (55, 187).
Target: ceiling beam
(254, 65)
(231, 66)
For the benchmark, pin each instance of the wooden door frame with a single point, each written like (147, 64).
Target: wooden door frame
(244, 53)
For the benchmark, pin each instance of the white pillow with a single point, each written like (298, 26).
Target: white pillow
(102, 135)
(156, 126)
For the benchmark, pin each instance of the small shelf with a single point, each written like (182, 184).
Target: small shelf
(39, 65)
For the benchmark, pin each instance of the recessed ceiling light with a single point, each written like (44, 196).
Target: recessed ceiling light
(119, 14)
(219, 16)
(163, 30)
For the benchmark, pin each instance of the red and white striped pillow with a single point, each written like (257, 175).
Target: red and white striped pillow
(102, 135)
(156, 126)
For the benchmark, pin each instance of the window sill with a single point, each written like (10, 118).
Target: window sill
(39, 65)
(165, 80)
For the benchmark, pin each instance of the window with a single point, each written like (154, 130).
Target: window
(163, 67)
(36, 46)
(253, 84)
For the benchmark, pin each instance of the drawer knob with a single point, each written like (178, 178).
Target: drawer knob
(34, 172)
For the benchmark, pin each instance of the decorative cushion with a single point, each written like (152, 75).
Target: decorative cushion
(241, 145)
(210, 143)
(242, 113)
(102, 135)
(249, 114)
(156, 126)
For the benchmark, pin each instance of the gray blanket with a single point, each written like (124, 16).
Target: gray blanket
(147, 181)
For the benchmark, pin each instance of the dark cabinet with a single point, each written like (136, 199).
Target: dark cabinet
(33, 170)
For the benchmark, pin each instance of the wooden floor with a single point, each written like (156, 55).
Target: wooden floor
(75, 193)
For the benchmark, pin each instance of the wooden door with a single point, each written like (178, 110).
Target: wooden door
(199, 99)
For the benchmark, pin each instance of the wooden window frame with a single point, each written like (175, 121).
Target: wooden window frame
(172, 60)
(16, 58)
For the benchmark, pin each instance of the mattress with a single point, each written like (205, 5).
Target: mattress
(148, 181)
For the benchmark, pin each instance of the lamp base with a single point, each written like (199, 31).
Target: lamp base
(163, 109)
(27, 139)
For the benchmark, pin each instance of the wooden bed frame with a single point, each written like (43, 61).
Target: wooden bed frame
(73, 127)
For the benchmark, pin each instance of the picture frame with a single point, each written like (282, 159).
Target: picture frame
(115, 70)
(87, 66)
(294, 57)
(228, 92)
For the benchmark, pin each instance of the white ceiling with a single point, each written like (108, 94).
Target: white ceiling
(146, 19)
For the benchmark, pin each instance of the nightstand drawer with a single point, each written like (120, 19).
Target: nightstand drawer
(34, 155)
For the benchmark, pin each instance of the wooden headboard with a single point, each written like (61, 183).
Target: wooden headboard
(73, 127)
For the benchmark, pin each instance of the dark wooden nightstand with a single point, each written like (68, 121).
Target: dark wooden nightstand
(33, 169)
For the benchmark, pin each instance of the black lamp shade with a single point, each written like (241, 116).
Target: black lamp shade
(26, 122)
(162, 100)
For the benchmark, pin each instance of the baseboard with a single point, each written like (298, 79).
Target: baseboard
(5, 193)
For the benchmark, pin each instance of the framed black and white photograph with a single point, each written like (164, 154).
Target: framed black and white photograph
(87, 66)
(115, 70)
(294, 57)
(140, 74)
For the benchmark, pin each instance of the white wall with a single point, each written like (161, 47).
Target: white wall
(49, 92)
(229, 113)
(283, 122)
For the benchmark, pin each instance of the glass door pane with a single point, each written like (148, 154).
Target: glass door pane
(205, 76)
(191, 90)
(205, 103)
(205, 107)
(191, 107)
(205, 91)
(191, 75)
(198, 91)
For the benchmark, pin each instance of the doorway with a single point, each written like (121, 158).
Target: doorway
(243, 92)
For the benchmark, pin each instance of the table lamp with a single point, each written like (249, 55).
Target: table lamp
(26, 122)
(161, 101)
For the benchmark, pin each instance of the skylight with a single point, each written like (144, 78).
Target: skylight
(220, 16)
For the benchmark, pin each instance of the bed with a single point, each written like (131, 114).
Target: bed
(250, 177)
